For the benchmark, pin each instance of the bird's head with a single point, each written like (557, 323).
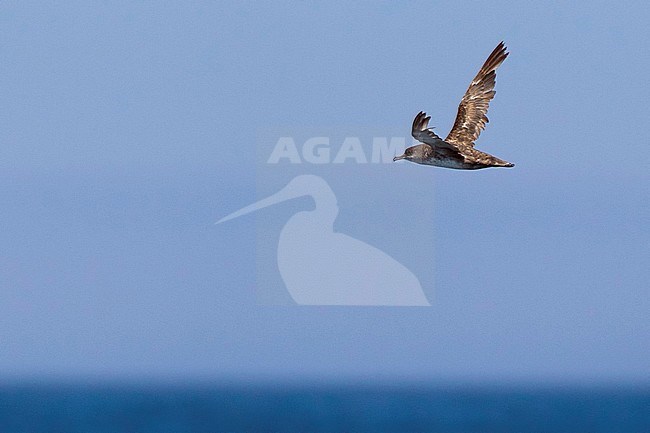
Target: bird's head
(413, 153)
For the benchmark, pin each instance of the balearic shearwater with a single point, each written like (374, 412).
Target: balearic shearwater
(457, 150)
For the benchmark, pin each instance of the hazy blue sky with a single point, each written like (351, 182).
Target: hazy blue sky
(127, 129)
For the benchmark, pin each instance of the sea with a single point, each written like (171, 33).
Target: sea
(342, 408)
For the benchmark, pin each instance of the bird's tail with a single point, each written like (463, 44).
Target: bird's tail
(496, 162)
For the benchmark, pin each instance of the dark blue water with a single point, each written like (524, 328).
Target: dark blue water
(321, 409)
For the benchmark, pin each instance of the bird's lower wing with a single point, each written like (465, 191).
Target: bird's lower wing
(421, 132)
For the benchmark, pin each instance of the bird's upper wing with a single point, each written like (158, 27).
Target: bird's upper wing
(472, 111)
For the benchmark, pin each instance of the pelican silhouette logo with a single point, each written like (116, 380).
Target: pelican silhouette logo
(322, 267)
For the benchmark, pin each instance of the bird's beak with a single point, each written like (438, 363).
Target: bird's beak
(397, 158)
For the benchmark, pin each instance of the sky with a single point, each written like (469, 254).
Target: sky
(128, 129)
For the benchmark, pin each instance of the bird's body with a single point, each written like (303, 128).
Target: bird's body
(457, 150)
(467, 158)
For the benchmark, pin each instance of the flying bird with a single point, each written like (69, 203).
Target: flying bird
(457, 150)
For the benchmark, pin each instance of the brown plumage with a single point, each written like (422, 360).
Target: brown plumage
(457, 150)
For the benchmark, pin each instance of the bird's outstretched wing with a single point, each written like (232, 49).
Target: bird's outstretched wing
(472, 111)
(421, 132)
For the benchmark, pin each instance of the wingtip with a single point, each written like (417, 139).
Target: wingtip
(494, 60)
(500, 49)
(420, 119)
(504, 49)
